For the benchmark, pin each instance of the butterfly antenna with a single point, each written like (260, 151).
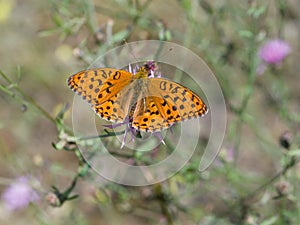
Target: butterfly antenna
(135, 69)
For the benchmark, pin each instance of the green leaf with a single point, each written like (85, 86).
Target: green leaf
(294, 152)
(246, 33)
(269, 221)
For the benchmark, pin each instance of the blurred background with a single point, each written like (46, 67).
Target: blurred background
(254, 180)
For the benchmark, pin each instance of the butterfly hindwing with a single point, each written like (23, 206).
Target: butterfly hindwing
(147, 116)
(118, 107)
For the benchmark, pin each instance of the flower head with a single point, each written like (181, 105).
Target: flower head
(274, 51)
(227, 155)
(19, 194)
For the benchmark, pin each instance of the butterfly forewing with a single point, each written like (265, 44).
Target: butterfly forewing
(179, 103)
(101, 87)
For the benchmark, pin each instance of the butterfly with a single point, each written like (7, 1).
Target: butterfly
(147, 103)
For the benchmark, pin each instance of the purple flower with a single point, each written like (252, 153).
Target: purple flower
(227, 154)
(274, 51)
(19, 194)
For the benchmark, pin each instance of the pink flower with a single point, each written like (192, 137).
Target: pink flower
(227, 155)
(274, 51)
(19, 194)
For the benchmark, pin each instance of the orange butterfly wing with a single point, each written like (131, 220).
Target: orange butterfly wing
(101, 88)
(166, 103)
(152, 104)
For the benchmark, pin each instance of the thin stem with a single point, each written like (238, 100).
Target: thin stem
(280, 173)
(163, 201)
(24, 96)
(108, 134)
(248, 93)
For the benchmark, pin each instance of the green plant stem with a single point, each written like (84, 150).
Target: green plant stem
(244, 202)
(280, 173)
(163, 201)
(247, 96)
(25, 97)
(108, 134)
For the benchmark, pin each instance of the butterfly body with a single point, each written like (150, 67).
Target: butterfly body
(148, 104)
